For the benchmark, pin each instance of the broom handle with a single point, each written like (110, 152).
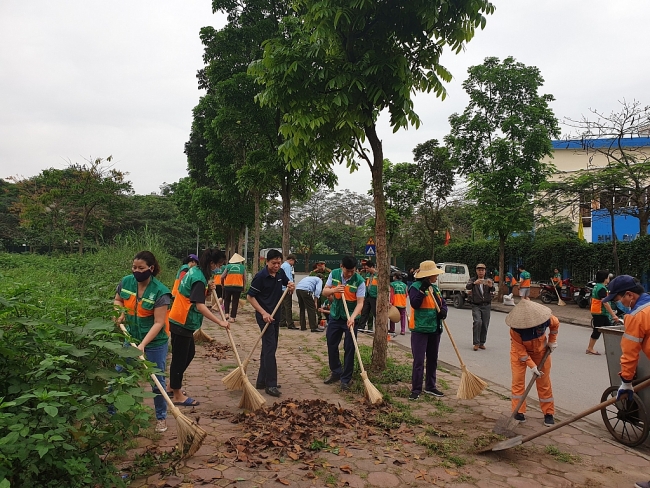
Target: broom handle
(162, 390)
(451, 338)
(356, 345)
(556, 292)
(259, 338)
(644, 384)
(530, 384)
(232, 341)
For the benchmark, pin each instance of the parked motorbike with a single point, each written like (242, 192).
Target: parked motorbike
(585, 294)
(572, 293)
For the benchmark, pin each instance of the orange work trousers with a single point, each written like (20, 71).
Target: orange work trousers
(535, 349)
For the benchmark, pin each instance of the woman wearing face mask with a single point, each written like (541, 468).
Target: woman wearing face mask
(186, 317)
(146, 301)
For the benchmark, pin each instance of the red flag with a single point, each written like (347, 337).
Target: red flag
(447, 237)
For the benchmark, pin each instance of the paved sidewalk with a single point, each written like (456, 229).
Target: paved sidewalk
(438, 452)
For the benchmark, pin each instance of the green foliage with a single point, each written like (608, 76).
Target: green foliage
(58, 352)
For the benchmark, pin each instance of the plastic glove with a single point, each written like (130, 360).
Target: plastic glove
(552, 346)
(536, 371)
(625, 390)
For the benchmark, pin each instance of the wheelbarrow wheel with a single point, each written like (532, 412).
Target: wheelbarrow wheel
(627, 421)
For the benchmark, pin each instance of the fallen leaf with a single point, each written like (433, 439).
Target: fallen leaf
(293, 456)
(283, 481)
(346, 469)
(451, 472)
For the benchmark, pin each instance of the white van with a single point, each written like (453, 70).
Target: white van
(452, 283)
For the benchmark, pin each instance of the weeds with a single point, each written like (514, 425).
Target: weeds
(561, 456)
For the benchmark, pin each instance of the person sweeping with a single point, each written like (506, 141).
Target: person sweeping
(425, 324)
(186, 317)
(528, 323)
(398, 300)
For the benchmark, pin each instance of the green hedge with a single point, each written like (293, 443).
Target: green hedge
(577, 259)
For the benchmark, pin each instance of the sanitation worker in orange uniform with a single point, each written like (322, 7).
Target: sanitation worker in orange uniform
(528, 324)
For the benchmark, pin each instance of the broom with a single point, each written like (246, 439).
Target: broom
(190, 435)
(234, 380)
(470, 384)
(560, 302)
(372, 393)
(251, 399)
(200, 336)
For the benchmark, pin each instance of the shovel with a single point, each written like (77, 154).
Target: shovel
(515, 441)
(505, 427)
(560, 302)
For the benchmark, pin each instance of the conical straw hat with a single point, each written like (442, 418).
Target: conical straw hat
(394, 315)
(527, 314)
(236, 258)
(428, 268)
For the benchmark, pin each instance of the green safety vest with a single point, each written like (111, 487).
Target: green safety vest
(337, 310)
(183, 312)
(425, 318)
(140, 310)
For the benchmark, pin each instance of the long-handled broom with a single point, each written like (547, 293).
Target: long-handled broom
(560, 302)
(200, 336)
(235, 380)
(372, 393)
(251, 399)
(470, 384)
(190, 435)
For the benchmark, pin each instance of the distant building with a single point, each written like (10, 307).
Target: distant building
(574, 156)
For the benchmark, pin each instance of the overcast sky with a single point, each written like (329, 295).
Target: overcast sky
(84, 78)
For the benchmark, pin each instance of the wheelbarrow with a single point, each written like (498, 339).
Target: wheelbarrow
(626, 421)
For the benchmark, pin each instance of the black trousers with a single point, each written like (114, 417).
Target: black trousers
(231, 296)
(268, 373)
(182, 354)
(368, 312)
(336, 329)
(306, 304)
(287, 318)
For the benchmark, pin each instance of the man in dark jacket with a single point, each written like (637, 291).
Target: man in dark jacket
(481, 289)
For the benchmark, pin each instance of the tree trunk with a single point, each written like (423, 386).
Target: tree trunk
(286, 216)
(644, 216)
(380, 341)
(502, 267)
(256, 245)
(433, 246)
(240, 241)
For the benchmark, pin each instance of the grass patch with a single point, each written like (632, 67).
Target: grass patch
(441, 407)
(442, 383)
(561, 456)
(401, 414)
(226, 367)
(445, 449)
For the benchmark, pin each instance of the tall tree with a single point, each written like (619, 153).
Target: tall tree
(340, 63)
(438, 178)
(80, 197)
(499, 142)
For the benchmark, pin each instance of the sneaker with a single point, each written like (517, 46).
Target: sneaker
(161, 425)
(642, 484)
(414, 396)
(345, 386)
(520, 417)
(435, 392)
(273, 391)
(549, 420)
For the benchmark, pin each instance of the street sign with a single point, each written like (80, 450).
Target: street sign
(371, 250)
(370, 242)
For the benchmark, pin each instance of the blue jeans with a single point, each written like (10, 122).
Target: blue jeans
(158, 356)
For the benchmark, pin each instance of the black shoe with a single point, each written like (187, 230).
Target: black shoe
(292, 327)
(273, 391)
(414, 396)
(549, 421)
(520, 417)
(303, 329)
(261, 387)
(317, 330)
(332, 379)
(435, 392)
(345, 386)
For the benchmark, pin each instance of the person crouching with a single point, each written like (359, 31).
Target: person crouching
(528, 323)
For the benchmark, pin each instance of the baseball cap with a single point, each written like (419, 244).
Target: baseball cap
(620, 285)
(480, 265)
(194, 257)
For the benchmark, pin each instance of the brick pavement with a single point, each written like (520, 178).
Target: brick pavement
(438, 452)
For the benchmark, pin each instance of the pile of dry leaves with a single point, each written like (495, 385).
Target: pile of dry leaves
(299, 429)
(216, 350)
